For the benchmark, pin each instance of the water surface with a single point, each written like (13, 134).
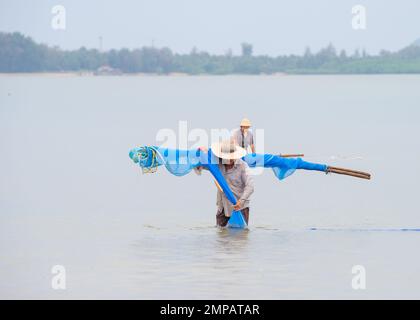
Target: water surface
(69, 194)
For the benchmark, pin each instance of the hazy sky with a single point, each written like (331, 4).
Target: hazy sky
(272, 26)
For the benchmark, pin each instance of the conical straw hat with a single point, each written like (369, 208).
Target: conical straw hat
(227, 150)
(245, 123)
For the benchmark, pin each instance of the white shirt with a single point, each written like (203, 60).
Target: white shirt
(244, 140)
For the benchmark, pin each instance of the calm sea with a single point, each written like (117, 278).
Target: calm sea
(70, 195)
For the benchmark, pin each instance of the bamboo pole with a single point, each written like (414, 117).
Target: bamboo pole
(298, 155)
(349, 172)
(355, 171)
(218, 186)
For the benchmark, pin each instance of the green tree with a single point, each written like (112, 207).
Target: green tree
(247, 49)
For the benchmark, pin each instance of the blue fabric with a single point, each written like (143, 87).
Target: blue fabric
(237, 220)
(181, 162)
(282, 167)
(212, 164)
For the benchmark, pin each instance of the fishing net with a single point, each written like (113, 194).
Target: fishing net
(146, 157)
(237, 220)
(177, 162)
(181, 162)
(282, 167)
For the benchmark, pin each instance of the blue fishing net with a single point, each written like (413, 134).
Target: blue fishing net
(181, 162)
(282, 167)
(237, 220)
(177, 162)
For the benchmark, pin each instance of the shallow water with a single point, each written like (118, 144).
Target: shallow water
(70, 195)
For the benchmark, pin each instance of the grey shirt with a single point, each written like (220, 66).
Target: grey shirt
(240, 182)
(243, 140)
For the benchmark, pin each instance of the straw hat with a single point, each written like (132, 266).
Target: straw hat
(245, 122)
(227, 150)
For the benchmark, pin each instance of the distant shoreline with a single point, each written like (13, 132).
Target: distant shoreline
(92, 74)
(22, 54)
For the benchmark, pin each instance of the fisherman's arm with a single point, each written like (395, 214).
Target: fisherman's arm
(198, 169)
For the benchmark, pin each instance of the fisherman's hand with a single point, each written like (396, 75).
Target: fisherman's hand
(198, 170)
(237, 206)
(204, 149)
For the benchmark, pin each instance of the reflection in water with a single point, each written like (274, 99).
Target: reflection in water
(231, 258)
(231, 248)
(232, 240)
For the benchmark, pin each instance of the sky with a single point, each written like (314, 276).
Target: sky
(274, 27)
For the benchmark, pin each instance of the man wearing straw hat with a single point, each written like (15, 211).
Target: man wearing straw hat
(244, 137)
(236, 173)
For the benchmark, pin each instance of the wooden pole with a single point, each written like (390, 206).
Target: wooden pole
(298, 155)
(349, 172)
(218, 186)
(355, 171)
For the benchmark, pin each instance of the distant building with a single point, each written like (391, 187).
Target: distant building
(107, 71)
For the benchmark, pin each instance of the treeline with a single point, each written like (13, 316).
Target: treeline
(21, 54)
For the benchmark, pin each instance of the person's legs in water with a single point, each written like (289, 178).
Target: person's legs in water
(221, 219)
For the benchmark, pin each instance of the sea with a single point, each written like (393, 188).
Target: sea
(79, 220)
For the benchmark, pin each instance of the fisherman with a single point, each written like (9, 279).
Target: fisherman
(237, 175)
(244, 137)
